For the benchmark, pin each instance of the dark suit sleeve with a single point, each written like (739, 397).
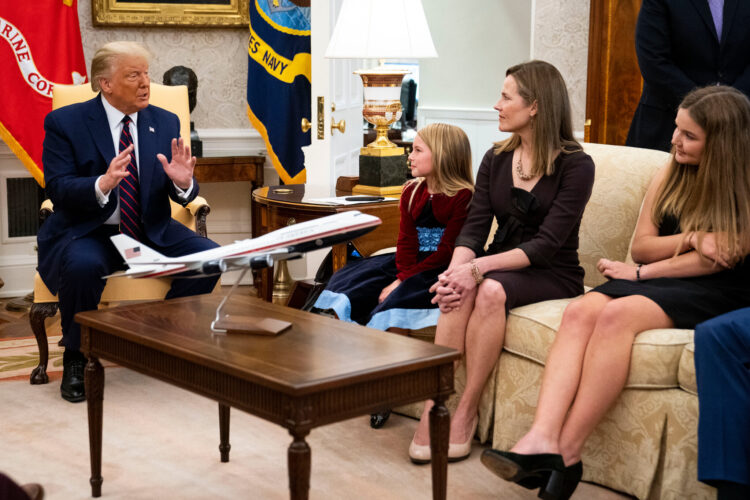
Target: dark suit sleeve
(576, 182)
(64, 185)
(654, 49)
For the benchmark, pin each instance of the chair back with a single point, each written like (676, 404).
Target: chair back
(172, 98)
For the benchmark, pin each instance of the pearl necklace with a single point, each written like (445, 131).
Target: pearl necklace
(519, 169)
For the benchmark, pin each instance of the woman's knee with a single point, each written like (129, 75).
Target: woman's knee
(615, 316)
(490, 298)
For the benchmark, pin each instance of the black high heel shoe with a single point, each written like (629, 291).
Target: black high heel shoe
(530, 471)
(562, 483)
(378, 420)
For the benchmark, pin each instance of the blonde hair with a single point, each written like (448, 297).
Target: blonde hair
(106, 58)
(713, 196)
(451, 159)
(552, 128)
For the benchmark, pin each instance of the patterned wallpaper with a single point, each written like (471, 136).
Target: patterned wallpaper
(561, 36)
(218, 57)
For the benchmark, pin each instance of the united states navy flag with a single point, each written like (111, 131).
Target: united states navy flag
(278, 82)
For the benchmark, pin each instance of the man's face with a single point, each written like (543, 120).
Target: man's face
(127, 88)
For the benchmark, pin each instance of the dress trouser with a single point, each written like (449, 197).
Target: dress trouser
(722, 367)
(87, 259)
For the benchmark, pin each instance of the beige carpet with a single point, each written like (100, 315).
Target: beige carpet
(162, 442)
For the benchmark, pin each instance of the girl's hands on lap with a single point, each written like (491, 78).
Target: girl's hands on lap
(613, 269)
(387, 290)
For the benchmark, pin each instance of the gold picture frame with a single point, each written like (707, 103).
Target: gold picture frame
(168, 13)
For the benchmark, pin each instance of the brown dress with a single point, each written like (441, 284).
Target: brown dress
(542, 222)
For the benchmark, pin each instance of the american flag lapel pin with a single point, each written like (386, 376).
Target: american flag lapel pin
(151, 129)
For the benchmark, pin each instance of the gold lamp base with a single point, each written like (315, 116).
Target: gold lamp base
(382, 164)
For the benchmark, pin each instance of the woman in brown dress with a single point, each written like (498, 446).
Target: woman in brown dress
(536, 184)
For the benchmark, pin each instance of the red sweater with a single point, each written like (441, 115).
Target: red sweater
(448, 210)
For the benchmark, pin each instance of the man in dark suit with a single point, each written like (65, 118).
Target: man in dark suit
(111, 165)
(722, 371)
(681, 45)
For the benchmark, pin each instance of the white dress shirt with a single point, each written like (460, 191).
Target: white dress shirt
(114, 118)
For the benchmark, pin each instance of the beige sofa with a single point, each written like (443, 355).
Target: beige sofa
(646, 446)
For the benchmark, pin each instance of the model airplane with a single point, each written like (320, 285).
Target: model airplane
(285, 243)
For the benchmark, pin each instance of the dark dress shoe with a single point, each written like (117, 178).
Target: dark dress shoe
(378, 420)
(530, 471)
(562, 484)
(72, 387)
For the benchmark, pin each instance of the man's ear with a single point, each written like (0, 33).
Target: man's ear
(104, 85)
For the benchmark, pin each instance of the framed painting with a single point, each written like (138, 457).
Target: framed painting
(166, 13)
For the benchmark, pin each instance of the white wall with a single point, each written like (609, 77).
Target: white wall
(476, 42)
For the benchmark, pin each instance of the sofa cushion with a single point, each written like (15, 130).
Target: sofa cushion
(656, 358)
(686, 373)
(621, 180)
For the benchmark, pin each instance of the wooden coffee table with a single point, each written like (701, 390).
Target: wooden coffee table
(318, 372)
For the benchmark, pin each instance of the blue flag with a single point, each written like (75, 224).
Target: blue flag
(278, 82)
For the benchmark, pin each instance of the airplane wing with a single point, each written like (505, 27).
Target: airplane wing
(145, 262)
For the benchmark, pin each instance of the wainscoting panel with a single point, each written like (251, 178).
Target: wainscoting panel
(479, 124)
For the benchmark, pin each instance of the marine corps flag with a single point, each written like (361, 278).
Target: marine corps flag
(40, 45)
(278, 81)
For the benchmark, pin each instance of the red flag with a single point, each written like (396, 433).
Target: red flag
(40, 45)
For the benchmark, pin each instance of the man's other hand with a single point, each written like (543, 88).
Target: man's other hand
(180, 169)
(117, 171)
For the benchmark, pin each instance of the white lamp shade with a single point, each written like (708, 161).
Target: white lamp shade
(381, 29)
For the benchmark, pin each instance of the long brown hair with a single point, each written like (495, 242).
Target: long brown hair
(713, 196)
(451, 158)
(552, 126)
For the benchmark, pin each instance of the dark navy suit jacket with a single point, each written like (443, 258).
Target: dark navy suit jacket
(678, 50)
(77, 150)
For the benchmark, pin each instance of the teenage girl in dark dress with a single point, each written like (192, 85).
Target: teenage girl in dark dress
(690, 241)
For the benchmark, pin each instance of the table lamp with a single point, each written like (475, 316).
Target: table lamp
(381, 29)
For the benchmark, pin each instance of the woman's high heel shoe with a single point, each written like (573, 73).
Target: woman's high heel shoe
(420, 454)
(530, 471)
(562, 483)
(461, 451)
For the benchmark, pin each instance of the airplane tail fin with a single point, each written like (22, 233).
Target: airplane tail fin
(134, 251)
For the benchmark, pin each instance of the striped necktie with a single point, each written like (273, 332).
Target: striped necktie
(130, 198)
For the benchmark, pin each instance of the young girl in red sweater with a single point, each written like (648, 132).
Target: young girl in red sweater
(390, 291)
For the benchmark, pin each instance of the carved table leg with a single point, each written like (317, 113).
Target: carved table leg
(298, 463)
(37, 314)
(224, 445)
(94, 380)
(440, 422)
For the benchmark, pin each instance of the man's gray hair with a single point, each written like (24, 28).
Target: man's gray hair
(106, 57)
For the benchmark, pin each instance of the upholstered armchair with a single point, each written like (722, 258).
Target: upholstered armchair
(174, 99)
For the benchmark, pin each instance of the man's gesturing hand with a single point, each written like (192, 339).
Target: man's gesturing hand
(117, 171)
(180, 169)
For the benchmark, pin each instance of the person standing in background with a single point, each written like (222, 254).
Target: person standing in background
(681, 45)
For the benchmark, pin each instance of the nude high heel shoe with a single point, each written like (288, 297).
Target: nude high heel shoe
(419, 454)
(461, 451)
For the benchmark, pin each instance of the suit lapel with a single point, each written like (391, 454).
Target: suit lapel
(146, 153)
(705, 12)
(99, 129)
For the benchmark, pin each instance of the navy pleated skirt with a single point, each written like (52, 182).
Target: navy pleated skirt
(353, 295)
